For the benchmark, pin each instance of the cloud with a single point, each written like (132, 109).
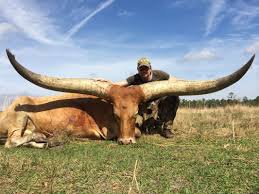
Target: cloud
(37, 24)
(6, 28)
(244, 15)
(214, 17)
(79, 12)
(78, 26)
(178, 3)
(29, 19)
(254, 48)
(204, 54)
(125, 13)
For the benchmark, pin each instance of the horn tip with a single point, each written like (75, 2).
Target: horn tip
(9, 54)
(7, 51)
(252, 58)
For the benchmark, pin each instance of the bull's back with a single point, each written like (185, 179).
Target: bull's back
(75, 114)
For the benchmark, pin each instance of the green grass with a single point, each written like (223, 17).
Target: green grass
(192, 162)
(163, 166)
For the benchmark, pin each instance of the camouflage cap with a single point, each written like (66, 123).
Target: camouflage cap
(144, 61)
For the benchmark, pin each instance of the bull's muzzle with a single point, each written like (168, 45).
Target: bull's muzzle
(126, 141)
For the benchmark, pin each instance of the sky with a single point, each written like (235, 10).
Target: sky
(192, 40)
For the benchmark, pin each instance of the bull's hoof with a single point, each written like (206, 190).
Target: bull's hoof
(54, 143)
(39, 138)
(137, 132)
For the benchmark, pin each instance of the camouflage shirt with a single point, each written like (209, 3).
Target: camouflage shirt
(157, 76)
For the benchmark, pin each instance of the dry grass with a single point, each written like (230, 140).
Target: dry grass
(232, 121)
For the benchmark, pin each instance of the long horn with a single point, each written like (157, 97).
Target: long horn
(179, 87)
(83, 86)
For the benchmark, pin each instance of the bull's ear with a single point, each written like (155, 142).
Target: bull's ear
(136, 114)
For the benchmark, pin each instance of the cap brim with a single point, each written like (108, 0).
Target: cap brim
(144, 65)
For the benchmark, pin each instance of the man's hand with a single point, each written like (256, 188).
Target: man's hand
(122, 83)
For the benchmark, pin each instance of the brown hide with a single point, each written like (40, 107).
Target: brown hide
(77, 115)
(80, 115)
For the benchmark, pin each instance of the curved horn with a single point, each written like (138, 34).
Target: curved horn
(179, 87)
(83, 86)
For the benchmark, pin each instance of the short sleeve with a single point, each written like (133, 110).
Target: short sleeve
(130, 80)
(160, 75)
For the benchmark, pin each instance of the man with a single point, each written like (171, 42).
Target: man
(158, 114)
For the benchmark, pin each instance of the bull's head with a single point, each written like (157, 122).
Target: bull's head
(125, 106)
(125, 100)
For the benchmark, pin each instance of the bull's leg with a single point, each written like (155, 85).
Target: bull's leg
(105, 133)
(18, 137)
(35, 145)
(137, 132)
(30, 139)
(39, 137)
(16, 140)
(109, 134)
(15, 136)
(93, 133)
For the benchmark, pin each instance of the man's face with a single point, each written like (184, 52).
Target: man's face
(145, 73)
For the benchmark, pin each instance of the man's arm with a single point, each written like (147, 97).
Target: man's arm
(127, 82)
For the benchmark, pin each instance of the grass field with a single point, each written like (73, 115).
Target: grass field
(213, 151)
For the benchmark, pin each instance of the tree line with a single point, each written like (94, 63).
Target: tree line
(231, 99)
